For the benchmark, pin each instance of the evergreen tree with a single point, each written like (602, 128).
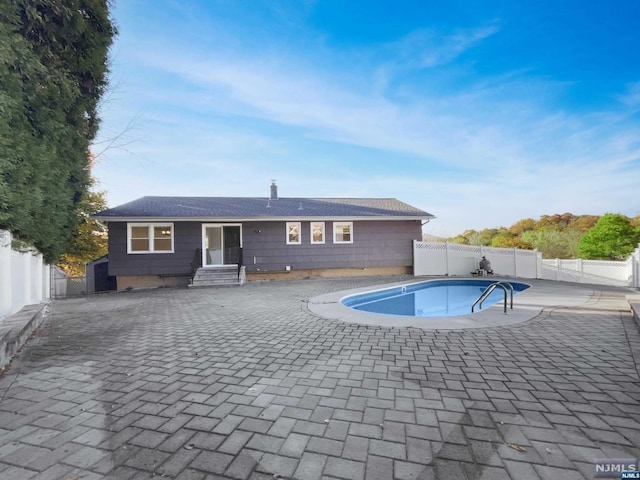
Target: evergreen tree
(53, 71)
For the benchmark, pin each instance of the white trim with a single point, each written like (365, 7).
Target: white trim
(333, 233)
(321, 242)
(288, 238)
(150, 227)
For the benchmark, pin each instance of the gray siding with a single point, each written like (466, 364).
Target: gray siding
(188, 237)
(376, 244)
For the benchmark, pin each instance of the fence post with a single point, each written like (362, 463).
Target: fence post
(515, 262)
(446, 252)
(558, 269)
(36, 272)
(637, 264)
(635, 267)
(26, 266)
(581, 270)
(46, 281)
(52, 281)
(413, 252)
(5, 273)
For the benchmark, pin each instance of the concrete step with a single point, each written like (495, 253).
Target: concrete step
(214, 273)
(215, 280)
(216, 277)
(207, 285)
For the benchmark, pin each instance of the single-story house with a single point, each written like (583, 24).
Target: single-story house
(164, 241)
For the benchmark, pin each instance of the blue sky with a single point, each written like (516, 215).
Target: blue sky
(481, 113)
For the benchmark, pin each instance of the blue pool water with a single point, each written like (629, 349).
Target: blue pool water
(434, 298)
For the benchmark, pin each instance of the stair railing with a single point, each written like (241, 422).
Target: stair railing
(196, 263)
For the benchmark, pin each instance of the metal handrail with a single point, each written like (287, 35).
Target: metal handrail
(488, 291)
(511, 288)
(484, 295)
(196, 263)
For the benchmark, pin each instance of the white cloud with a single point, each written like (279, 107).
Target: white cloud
(425, 48)
(631, 98)
(461, 131)
(486, 156)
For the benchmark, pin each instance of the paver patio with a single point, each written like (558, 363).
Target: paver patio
(247, 383)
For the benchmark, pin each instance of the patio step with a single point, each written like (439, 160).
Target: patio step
(216, 277)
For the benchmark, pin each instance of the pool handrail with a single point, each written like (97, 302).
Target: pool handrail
(511, 288)
(483, 296)
(488, 292)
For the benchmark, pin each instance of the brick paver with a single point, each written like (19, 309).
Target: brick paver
(246, 383)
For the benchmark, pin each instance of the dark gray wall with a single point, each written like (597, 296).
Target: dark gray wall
(376, 244)
(188, 237)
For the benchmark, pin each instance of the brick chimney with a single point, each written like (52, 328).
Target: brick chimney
(274, 190)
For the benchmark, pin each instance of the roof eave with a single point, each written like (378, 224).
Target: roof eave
(106, 219)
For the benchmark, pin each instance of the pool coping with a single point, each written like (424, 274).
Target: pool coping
(527, 305)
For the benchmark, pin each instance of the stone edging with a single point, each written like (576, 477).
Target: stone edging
(16, 329)
(634, 305)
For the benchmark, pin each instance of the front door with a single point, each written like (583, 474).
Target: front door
(221, 244)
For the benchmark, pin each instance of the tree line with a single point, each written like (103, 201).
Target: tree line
(53, 73)
(609, 237)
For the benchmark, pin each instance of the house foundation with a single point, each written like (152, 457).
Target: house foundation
(327, 273)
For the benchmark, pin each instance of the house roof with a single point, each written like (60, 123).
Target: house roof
(263, 208)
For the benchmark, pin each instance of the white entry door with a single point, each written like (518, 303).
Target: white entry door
(212, 246)
(221, 244)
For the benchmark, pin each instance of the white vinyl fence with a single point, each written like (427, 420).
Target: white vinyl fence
(24, 277)
(600, 272)
(443, 258)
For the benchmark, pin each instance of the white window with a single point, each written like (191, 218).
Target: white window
(293, 233)
(150, 238)
(317, 232)
(342, 232)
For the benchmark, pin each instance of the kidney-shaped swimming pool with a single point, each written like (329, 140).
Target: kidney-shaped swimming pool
(433, 298)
